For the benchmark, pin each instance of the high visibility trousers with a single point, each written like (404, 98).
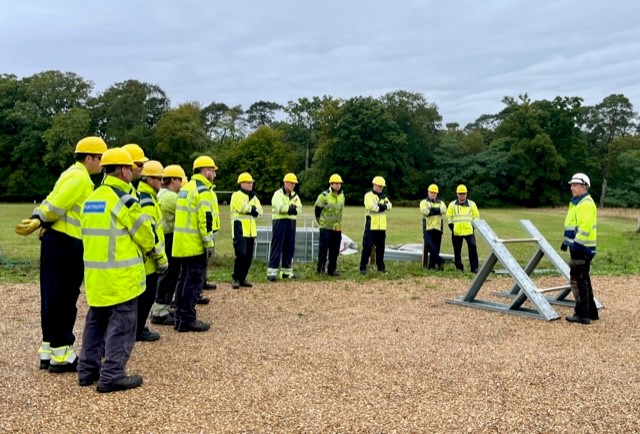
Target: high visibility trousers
(432, 243)
(61, 274)
(193, 270)
(457, 240)
(283, 242)
(329, 243)
(370, 239)
(243, 247)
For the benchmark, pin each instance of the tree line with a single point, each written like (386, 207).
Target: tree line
(521, 156)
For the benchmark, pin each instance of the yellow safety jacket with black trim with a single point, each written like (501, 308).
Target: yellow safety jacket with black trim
(461, 214)
(280, 203)
(167, 200)
(197, 218)
(374, 217)
(116, 236)
(330, 205)
(151, 207)
(243, 224)
(62, 207)
(581, 224)
(433, 213)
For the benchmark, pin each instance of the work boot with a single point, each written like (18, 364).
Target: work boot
(321, 271)
(195, 326)
(363, 272)
(289, 276)
(125, 383)
(64, 367)
(235, 284)
(44, 354)
(202, 300)
(272, 278)
(441, 264)
(63, 359)
(209, 286)
(147, 335)
(92, 378)
(162, 320)
(333, 274)
(576, 318)
(246, 284)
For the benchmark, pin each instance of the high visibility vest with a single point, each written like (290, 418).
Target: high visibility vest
(151, 207)
(280, 203)
(243, 224)
(116, 236)
(581, 224)
(461, 215)
(197, 218)
(167, 200)
(433, 213)
(62, 207)
(332, 205)
(375, 219)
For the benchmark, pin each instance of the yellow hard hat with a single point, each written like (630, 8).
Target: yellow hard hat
(152, 168)
(291, 177)
(204, 161)
(116, 157)
(379, 180)
(335, 178)
(461, 189)
(433, 188)
(91, 145)
(173, 171)
(137, 154)
(245, 177)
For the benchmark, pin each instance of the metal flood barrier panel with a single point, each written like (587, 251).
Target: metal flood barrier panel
(307, 239)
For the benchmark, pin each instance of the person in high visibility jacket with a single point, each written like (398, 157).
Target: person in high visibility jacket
(376, 204)
(328, 211)
(197, 219)
(285, 206)
(433, 211)
(61, 269)
(117, 236)
(137, 154)
(580, 230)
(173, 177)
(245, 207)
(460, 213)
(156, 262)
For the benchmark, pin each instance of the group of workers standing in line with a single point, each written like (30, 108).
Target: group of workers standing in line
(143, 252)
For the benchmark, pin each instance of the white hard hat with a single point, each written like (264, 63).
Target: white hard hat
(580, 178)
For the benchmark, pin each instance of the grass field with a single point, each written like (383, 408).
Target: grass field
(618, 247)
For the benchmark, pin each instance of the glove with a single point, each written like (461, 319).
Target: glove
(254, 212)
(563, 247)
(162, 268)
(209, 252)
(382, 207)
(451, 226)
(292, 210)
(27, 226)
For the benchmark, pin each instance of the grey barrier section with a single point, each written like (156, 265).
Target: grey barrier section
(307, 239)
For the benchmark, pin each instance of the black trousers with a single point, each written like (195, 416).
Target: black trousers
(167, 282)
(61, 274)
(283, 242)
(580, 281)
(457, 240)
(432, 242)
(370, 239)
(243, 248)
(145, 301)
(193, 270)
(329, 243)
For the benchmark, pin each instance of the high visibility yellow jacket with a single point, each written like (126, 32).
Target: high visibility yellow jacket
(433, 213)
(461, 214)
(151, 207)
(376, 219)
(329, 207)
(243, 224)
(62, 207)
(197, 218)
(280, 203)
(116, 236)
(581, 224)
(167, 200)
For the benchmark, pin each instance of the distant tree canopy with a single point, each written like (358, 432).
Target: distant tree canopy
(521, 156)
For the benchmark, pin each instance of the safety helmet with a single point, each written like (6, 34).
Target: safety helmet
(461, 189)
(91, 145)
(580, 178)
(152, 168)
(335, 178)
(137, 154)
(244, 177)
(433, 188)
(116, 157)
(204, 161)
(173, 171)
(290, 177)
(379, 180)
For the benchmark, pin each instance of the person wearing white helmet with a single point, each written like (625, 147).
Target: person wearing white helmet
(580, 228)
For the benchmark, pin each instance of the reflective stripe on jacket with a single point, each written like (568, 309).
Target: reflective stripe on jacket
(280, 203)
(580, 225)
(150, 206)
(378, 219)
(461, 215)
(432, 214)
(195, 222)
(242, 223)
(62, 208)
(332, 206)
(116, 236)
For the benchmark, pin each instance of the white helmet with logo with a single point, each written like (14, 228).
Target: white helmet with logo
(580, 178)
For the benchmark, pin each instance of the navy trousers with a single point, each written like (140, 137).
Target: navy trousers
(432, 242)
(370, 239)
(243, 248)
(167, 282)
(283, 242)
(329, 243)
(193, 270)
(457, 240)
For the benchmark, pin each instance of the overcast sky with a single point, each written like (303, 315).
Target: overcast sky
(464, 56)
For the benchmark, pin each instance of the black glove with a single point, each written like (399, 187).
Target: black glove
(292, 210)
(434, 211)
(318, 211)
(563, 247)
(382, 207)
(254, 212)
(451, 226)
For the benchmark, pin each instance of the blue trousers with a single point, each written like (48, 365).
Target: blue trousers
(193, 270)
(329, 243)
(283, 242)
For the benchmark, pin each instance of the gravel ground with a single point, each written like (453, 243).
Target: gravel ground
(343, 356)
